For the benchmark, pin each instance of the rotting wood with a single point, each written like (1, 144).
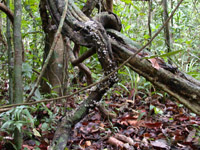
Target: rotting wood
(80, 29)
(183, 87)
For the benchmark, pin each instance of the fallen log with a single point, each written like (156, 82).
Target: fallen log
(176, 83)
(90, 33)
(179, 85)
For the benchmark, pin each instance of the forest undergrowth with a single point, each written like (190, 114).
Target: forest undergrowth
(124, 120)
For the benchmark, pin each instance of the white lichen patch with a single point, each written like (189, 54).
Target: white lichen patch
(91, 23)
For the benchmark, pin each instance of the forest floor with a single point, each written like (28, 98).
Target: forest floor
(124, 121)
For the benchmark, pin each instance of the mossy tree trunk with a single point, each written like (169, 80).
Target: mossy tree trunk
(18, 88)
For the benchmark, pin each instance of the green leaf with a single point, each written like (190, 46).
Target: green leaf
(164, 55)
(38, 95)
(127, 1)
(151, 107)
(123, 86)
(141, 115)
(142, 14)
(29, 117)
(118, 92)
(17, 113)
(127, 27)
(137, 8)
(146, 36)
(171, 53)
(158, 111)
(27, 69)
(45, 126)
(7, 124)
(18, 125)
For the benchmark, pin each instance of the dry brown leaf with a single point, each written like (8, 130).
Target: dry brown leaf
(135, 122)
(161, 143)
(115, 142)
(154, 63)
(125, 139)
(191, 136)
(88, 143)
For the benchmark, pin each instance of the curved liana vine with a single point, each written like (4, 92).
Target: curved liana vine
(91, 33)
(87, 32)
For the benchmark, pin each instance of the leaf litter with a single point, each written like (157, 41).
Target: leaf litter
(150, 122)
(123, 122)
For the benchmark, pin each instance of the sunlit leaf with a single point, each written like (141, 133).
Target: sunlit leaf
(127, 1)
(36, 133)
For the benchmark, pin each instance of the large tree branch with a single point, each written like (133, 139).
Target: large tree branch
(8, 12)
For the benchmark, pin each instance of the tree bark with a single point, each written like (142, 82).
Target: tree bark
(179, 85)
(167, 28)
(84, 31)
(176, 83)
(18, 88)
(149, 21)
(10, 63)
(65, 127)
(7, 11)
(56, 69)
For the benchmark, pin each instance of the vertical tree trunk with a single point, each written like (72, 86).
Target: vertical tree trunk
(3, 45)
(56, 70)
(166, 29)
(10, 64)
(172, 23)
(18, 89)
(56, 67)
(149, 20)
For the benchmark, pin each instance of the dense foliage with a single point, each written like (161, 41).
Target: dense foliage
(39, 122)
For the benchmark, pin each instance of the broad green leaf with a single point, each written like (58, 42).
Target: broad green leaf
(146, 36)
(142, 14)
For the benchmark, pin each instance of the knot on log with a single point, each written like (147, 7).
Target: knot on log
(109, 20)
